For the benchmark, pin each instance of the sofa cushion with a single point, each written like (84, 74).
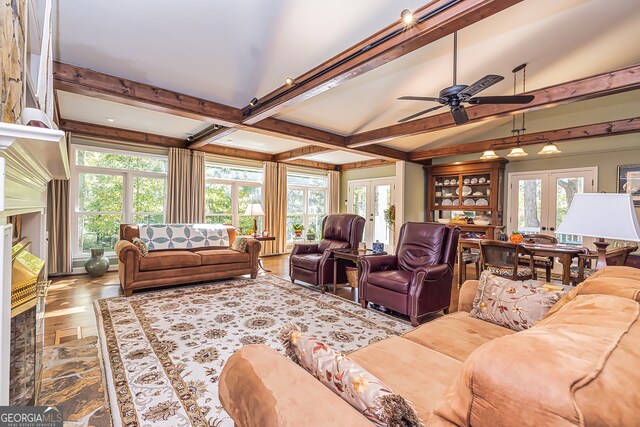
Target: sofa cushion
(394, 280)
(223, 256)
(306, 261)
(240, 244)
(514, 305)
(456, 335)
(417, 373)
(620, 281)
(557, 371)
(164, 260)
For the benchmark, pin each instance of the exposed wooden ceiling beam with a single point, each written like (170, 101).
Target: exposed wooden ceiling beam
(622, 80)
(441, 18)
(108, 132)
(71, 78)
(617, 127)
(313, 164)
(201, 142)
(299, 153)
(365, 164)
(240, 153)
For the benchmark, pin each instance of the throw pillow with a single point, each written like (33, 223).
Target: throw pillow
(141, 245)
(354, 384)
(514, 305)
(240, 244)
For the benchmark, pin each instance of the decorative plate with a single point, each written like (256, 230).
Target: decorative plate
(465, 191)
(478, 193)
(482, 202)
(469, 202)
(446, 202)
(482, 180)
(453, 182)
(467, 180)
(456, 202)
(474, 180)
(446, 182)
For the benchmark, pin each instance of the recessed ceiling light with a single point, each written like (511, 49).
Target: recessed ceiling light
(111, 119)
(407, 16)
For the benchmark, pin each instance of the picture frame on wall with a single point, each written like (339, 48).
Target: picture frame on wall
(629, 181)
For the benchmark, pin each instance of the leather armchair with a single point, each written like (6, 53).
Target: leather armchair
(313, 263)
(417, 281)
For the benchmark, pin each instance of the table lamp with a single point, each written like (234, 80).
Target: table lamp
(254, 209)
(603, 216)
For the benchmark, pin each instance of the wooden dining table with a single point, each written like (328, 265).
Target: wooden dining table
(564, 253)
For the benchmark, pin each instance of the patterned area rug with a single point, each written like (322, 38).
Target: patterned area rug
(164, 350)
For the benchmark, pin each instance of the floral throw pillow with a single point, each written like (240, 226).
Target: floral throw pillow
(514, 305)
(240, 244)
(350, 381)
(142, 246)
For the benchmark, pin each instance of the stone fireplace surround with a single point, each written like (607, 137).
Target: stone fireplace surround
(29, 158)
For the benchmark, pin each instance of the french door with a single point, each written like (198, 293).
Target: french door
(538, 201)
(369, 199)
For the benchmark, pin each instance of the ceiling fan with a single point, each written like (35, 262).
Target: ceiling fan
(455, 95)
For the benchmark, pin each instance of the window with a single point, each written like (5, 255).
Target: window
(228, 191)
(111, 187)
(306, 202)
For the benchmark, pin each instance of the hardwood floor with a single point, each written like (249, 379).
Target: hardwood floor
(70, 299)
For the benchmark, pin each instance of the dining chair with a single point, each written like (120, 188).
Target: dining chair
(617, 256)
(503, 259)
(540, 261)
(470, 256)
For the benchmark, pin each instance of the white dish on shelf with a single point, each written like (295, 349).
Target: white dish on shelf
(465, 191)
(482, 202)
(453, 182)
(482, 180)
(474, 180)
(444, 220)
(446, 202)
(469, 202)
(478, 193)
(467, 181)
(456, 202)
(482, 221)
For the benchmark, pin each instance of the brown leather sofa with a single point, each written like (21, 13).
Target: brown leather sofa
(313, 263)
(177, 266)
(578, 366)
(417, 281)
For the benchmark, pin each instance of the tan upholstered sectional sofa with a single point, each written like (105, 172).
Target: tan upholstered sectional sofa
(177, 266)
(578, 366)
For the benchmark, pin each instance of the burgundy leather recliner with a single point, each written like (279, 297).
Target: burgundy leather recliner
(417, 281)
(313, 263)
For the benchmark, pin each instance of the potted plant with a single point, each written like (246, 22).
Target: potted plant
(297, 229)
(311, 235)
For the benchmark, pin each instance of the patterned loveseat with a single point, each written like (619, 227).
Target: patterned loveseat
(181, 253)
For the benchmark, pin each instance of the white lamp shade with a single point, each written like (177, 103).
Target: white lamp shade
(254, 209)
(603, 215)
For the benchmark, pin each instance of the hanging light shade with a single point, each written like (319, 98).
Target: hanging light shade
(549, 148)
(517, 152)
(488, 155)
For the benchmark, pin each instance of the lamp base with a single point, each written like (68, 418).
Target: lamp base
(255, 227)
(602, 253)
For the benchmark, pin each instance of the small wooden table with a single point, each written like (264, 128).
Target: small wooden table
(352, 255)
(262, 239)
(564, 253)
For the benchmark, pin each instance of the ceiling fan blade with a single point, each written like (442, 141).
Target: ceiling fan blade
(459, 115)
(422, 98)
(413, 116)
(480, 85)
(515, 99)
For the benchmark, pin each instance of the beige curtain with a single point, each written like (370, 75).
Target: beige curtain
(334, 191)
(275, 207)
(58, 226)
(197, 186)
(185, 192)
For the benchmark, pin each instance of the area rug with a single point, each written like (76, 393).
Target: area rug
(164, 350)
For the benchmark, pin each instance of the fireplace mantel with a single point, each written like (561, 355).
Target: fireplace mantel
(30, 157)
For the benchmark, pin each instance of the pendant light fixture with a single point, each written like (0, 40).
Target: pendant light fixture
(489, 155)
(518, 151)
(549, 148)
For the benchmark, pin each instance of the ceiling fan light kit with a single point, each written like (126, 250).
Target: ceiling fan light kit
(455, 95)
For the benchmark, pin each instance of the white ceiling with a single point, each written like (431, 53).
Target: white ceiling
(230, 52)
(338, 157)
(258, 142)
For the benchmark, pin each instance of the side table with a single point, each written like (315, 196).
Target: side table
(352, 255)
(262, 239)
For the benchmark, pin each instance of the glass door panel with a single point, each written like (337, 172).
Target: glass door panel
(382, 201)
(566, 185)
(370, 199)
(529, 205)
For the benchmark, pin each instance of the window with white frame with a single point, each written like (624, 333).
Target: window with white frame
(110, 187)
(228, 192)
(306, 202)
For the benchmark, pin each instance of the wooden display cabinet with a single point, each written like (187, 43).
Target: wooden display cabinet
(475, 188)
